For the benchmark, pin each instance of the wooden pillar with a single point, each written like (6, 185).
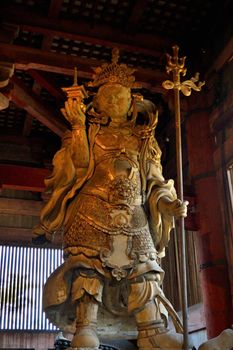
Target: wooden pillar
(210, 237)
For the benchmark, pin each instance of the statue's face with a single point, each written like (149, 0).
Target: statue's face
(113, 100)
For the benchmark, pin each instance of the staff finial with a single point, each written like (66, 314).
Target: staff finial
(176, 65)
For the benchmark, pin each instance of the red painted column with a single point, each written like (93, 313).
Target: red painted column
(210, 238)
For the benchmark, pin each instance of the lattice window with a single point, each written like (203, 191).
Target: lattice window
(173, 17)
(25, 78)
(29, 39)
(12, 118)
(23, 273)
(115, 12)
(40, 6)
(103, 53)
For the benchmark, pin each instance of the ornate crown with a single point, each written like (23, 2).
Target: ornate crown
(114, 73)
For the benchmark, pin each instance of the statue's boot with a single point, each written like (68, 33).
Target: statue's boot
(159, 339)
(152, 334)
(85, 336)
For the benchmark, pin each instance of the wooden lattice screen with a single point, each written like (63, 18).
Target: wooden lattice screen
(23, 273)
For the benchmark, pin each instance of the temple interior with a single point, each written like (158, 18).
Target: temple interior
(41, 42)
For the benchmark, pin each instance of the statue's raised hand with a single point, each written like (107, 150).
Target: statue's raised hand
(73, 112)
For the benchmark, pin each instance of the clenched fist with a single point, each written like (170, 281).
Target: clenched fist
(175, 208)
(73, 112)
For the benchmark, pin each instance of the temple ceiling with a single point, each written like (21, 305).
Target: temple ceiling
(42, 41)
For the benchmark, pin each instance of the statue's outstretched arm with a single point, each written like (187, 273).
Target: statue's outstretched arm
(163, 203)
(168, 203)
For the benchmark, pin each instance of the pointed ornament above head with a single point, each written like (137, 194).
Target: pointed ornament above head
(114, 73)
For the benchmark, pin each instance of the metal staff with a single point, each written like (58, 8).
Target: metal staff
(176, 65)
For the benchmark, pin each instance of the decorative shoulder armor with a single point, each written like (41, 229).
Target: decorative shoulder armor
(154, 152)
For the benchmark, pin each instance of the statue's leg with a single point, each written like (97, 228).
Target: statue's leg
(153, 333)
(86, 295)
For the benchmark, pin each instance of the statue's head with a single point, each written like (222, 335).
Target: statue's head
(114, 81)
(113, 100)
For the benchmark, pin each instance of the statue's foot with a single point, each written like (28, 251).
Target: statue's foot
(85, 338)
(160, 339)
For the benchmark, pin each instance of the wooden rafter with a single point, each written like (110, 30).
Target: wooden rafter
(46, 83)
(27, 100)
(28, 58)
(224, 57)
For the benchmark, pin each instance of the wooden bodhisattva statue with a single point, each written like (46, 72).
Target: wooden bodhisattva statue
(115, 211)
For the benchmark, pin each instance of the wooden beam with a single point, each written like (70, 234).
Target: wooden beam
(52, 69)
(44, 82)
(28, 58)
(104, 35)
(23, 236)
(225, 56)
(9, 206)
(15, 235)
(19, 177)
(27, 100)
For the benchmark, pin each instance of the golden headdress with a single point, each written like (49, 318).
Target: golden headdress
(114, 73)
